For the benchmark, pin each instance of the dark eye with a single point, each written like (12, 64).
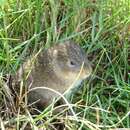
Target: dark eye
(71, 63)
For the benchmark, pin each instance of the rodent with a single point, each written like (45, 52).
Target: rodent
(57, 68)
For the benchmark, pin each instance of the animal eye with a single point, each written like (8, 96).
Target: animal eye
(71, 63)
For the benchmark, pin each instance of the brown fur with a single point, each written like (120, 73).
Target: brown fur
(53, 69)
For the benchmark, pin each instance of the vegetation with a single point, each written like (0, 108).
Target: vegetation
(101, 27)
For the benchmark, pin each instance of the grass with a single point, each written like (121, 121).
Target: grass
(101, 27)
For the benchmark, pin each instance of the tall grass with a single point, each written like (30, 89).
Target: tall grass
(101, 27)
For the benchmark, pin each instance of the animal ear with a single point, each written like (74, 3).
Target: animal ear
(55, 53)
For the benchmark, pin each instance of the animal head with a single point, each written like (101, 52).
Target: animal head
(70, 61)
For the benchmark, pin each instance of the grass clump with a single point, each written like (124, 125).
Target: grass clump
(101, 27)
